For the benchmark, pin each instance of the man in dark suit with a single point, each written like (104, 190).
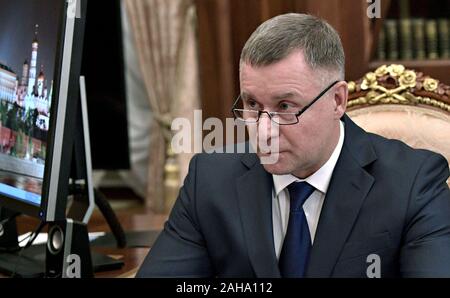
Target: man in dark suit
(338, 202)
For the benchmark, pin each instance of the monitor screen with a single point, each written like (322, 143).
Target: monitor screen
(29, 34)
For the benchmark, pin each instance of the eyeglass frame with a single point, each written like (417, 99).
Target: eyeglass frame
(270, 114)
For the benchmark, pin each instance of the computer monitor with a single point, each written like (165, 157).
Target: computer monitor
(40, 56)
(41, 44)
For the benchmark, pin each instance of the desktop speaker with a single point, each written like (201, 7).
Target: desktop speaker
(8, 229)
(68, 254)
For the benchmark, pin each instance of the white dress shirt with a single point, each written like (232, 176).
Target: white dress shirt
(312, 206)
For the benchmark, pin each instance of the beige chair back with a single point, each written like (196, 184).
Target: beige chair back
(403, 104)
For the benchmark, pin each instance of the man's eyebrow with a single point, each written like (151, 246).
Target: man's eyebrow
(286, 95)
(290, 94)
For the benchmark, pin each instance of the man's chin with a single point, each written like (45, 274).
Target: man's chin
(275, 170)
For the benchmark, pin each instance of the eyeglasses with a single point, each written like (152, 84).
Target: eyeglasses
(281, 118)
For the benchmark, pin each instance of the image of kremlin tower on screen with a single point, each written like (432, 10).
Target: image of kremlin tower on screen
(25, 100)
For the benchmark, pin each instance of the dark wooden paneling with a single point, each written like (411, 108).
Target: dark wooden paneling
(355, 34)
(244, 23)
(215, 56)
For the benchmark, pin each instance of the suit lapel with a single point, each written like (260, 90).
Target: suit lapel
(346, 193)
(348, 188)
(255, 202)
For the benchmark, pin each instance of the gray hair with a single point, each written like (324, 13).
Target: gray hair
(278, 37)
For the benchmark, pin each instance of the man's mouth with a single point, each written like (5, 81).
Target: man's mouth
(266, 153)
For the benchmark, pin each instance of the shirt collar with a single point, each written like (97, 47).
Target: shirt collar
(320, 180)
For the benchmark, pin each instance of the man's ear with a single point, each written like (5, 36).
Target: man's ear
(340, 99)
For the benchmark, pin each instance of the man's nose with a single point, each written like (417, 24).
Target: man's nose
(264, 127)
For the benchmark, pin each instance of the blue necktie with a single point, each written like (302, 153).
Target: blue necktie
(297, 242)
